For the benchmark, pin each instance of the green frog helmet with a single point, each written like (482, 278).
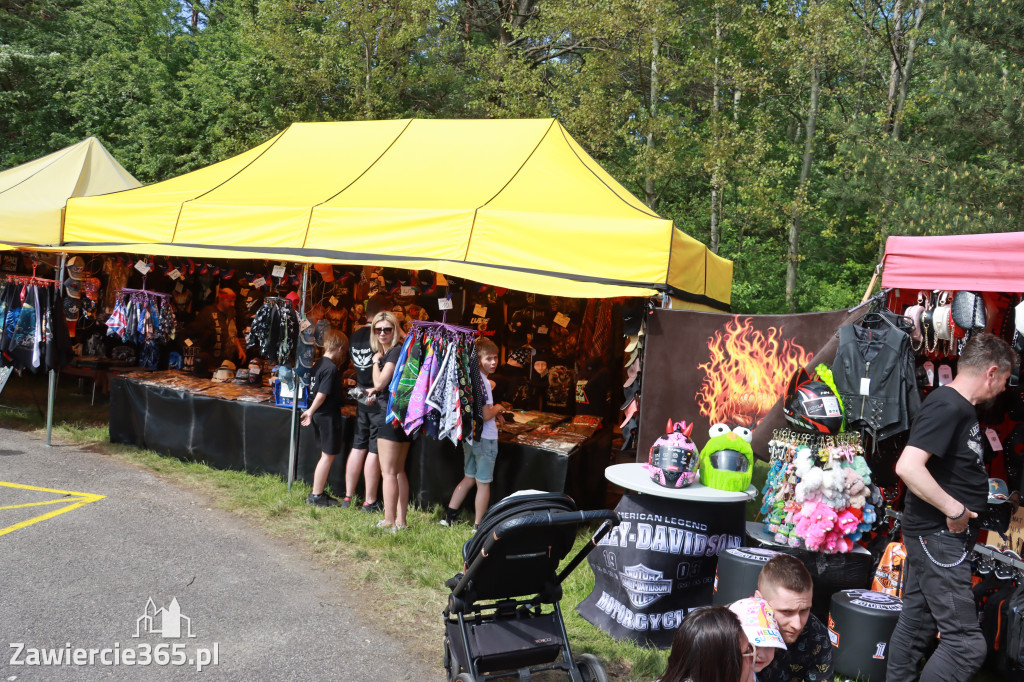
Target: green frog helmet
(727, 461)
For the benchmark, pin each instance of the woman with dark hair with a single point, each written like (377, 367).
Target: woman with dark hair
(710, 646)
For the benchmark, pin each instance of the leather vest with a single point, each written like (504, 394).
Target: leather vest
(882, 362)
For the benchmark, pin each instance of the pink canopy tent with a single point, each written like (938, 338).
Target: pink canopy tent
(975, 262)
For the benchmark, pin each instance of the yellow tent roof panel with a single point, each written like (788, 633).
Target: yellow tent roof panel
(33, 195)
(515, 203)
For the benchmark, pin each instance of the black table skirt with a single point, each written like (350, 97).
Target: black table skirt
(254, 437)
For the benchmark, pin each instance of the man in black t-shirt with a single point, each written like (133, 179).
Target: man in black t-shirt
(943, 468)
(363, 456)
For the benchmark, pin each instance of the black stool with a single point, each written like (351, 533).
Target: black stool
(860, 624)
(737, 572)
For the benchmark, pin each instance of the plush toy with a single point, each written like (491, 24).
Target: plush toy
(816, 520)
(860, 465)
(833, 488)
(846, 522)
(727, 460)
(809, 489)
(856, 491)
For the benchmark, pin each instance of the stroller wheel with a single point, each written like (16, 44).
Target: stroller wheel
(591, 669)
(451, 666)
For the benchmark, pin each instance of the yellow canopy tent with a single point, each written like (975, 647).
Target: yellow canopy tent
(513, 203)
(33, 195)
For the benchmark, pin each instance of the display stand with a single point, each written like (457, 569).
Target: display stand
(660, 562)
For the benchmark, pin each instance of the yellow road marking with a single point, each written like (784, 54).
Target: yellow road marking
(75, 501)
(61, 500)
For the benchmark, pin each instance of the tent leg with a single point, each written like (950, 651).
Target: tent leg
(295, 392)
(871, 285)
(52, 391)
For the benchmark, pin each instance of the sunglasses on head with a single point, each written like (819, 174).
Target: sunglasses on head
(383, 330)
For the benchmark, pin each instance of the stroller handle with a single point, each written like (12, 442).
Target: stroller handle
(549, 519)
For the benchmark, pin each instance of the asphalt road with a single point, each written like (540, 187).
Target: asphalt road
(82, 579)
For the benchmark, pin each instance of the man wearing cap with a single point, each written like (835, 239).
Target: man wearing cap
(785, 583)
(943, 467)
(758, 621)
(215, 330)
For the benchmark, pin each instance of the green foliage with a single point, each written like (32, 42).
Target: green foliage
(674, 100)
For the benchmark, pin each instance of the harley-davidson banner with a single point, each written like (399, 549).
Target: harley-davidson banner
(658, 564)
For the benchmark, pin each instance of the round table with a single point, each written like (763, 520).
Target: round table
(633, 476)
(659, 563)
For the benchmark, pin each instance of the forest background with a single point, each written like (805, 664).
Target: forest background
(791, 137)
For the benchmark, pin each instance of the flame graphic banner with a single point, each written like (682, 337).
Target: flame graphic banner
(710, 368)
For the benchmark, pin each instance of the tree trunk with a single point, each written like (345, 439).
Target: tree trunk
(895, 68)
(650, 194)
(897, 117)
(908, 63)
(801, 193)
(716, 106)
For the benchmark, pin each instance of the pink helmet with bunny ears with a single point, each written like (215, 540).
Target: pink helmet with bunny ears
(674, 460)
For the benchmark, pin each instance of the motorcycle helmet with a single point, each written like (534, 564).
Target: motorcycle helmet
(727, 461)
(812, 405)
(673, 459)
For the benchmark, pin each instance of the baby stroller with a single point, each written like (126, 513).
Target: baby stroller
(496, 624)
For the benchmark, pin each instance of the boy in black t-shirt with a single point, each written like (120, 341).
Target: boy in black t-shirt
(324, 413)
(944, 469)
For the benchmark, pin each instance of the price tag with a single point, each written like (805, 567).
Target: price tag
(333, 300)
(831, 405)
(945, 374)
(278, 271)
(142, 266)
(304, 325)
(865, 386)
(188, 343)
(562, 320)
(479, 310)
(993, 439)
(259, 282)
(179, 287)
(174, 274)
(407, 291)
(542, 329)
(444, 304)
(929, 369)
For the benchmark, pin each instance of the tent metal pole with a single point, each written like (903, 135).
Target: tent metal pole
(295, 383)
(52, 390)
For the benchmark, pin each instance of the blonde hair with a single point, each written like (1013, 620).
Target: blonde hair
(397, 336)
(334, 339)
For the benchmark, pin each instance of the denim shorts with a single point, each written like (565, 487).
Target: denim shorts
(479, 459)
